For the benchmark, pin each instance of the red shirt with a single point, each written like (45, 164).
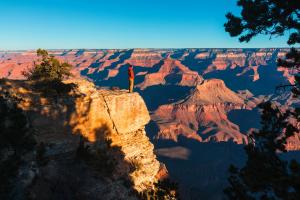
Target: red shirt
(130, 73)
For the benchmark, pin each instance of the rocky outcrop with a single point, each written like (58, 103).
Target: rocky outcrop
(144, 58)
(98, 117)
(202, 115)
(224, 60)
(214, 91)
(172, 72)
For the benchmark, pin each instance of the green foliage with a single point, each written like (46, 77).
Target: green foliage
(270, 17)
(48, 69)
(292, 62)
(163, 190)
(48, 74)
(275, 122)
(273, 18)
(266, 175)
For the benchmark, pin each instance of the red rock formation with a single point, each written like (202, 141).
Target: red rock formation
(172, 67)
(12, 64)
(248, 60)
(224, 60)
(144, 58)
(98, 115)
(202, 116)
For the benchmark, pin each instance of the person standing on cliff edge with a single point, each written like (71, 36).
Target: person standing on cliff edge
(130, 78)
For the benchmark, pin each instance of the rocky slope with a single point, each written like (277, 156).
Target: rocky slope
(105, 121)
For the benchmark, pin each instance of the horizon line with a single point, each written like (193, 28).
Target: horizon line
(150, 48)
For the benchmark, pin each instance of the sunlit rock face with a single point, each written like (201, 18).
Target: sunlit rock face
(144, 58)
(172, 72)
(202, 115)
(231, 60)
(97, 116)
(13, 63)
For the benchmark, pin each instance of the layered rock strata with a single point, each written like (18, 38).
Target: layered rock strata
(202, 115)
(98, 116)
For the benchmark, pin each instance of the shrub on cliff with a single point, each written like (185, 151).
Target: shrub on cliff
(48, 68)
(48, 74)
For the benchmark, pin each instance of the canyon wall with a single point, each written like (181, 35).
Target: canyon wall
(112, 122)
(202, 115)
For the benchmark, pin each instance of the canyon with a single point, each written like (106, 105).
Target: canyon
(202, 102)
(166, 76)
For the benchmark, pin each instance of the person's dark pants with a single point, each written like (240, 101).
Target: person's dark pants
(131, 84)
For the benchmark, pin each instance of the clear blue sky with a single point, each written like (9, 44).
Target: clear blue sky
(54, 24)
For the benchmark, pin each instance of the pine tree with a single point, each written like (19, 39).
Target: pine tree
(48, 69)
(266, 175)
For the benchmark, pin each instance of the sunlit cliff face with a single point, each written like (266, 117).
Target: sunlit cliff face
(98, 116)
(202, 115)
(171, 71)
